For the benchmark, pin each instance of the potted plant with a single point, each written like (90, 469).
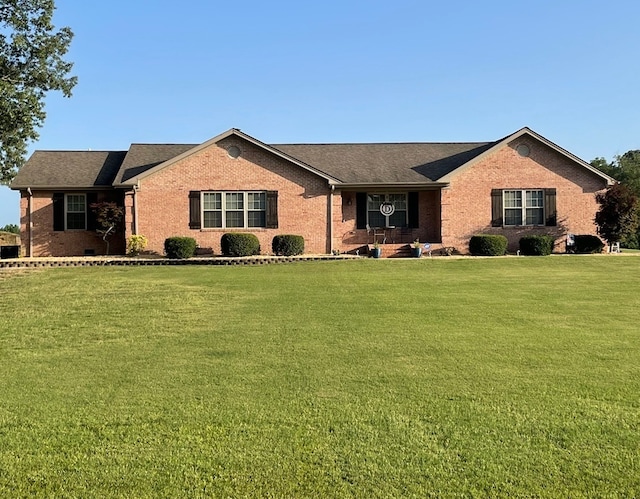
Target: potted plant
(376, 251)
(416, 249)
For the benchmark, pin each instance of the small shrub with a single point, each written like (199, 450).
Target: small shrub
(180, 247)
(488, 245)
(135, 244)
(287, 245)
(536, 245)
(239, 244)
(587, 243)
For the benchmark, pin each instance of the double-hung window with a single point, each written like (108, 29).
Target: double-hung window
(398, 217)
(75, 211)
(523, 207)
(234, 209)
(212, 209)
(256, 209)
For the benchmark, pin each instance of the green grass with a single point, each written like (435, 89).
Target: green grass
(443, 377)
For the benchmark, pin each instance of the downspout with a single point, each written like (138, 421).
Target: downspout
(333, 188)
(30, 220)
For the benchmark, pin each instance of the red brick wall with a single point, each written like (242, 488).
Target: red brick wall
(429, 206)
(163, 202)
(466, 204)
(47, 242)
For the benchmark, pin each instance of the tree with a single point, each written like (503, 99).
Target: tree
(610, 169)
(629, 165)
(626, 169)
(13, 228)
(108, 216)
(31, 64)
(617, 217)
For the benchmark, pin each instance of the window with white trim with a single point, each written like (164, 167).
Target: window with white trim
(75, 206)
(399, 216)
(228, 210)
(523, 207)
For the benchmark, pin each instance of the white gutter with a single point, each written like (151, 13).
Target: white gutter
(30, 220)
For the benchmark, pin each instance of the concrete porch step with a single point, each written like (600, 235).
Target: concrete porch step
(403, 250)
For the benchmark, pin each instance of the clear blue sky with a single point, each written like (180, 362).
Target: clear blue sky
(347, 71)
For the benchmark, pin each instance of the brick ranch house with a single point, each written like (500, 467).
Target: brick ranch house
(337, 196)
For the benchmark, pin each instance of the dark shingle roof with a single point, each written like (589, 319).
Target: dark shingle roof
(72, 169)
(142, 157)
(386, 163)
(350, 163)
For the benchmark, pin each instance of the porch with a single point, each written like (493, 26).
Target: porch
(365, 219)
(402, 250)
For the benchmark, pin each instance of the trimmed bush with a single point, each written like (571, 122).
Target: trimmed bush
(586, 243)
(239, 244)
(536, 245)
(488, 245)
(180, 247)
(287, 245)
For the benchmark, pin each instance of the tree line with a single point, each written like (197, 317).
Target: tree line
(617, 219)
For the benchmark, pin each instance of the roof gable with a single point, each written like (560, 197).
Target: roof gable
(150, 168)
(522, 132)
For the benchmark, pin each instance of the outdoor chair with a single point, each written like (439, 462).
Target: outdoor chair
(377, 231)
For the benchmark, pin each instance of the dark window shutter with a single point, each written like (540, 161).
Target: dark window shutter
(550, 207)
(194, 209)
(92, 223)
(361, 210)
(414, 213)
(272, 209)
(496, 207)
(58, 211)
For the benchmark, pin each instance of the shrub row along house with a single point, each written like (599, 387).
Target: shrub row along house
(337, 196)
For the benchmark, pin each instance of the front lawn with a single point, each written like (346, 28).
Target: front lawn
(368, 378)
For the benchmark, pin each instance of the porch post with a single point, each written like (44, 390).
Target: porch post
(30, 220)
(330, 245)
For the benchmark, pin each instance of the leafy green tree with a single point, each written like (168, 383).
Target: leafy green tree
(626, 169)
(604, 166)
(629, 165)
(617, 217)
(31, 64)
(13, 228)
